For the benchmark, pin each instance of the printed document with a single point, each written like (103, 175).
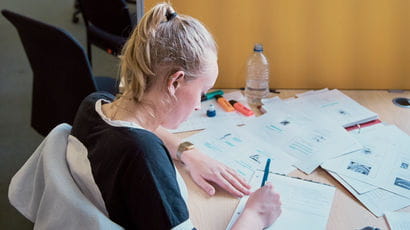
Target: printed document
(309, 140)
(312, 92)
(398, 220)
(241, 151)
(378, 201)
(384, 162)
(305, 204)
(334, 105)
(359, 186)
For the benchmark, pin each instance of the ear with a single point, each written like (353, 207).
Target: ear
(175, 81)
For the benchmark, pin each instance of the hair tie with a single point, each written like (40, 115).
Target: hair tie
(171, 16)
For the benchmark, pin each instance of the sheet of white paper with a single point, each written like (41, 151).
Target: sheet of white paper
(236, 148)
(358, 185)
(269, 104)
(385, 161)
(304, 203)
(309, 140)
(199, 119)
(266, 101)
(398, 220)
(377, 201)
(289, 99)
(335, 105)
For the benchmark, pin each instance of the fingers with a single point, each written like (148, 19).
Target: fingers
(224, 183)
(238, 184)
(208, 188)
(203, 172)
(272, 195)
(266, 203)
(239, 178)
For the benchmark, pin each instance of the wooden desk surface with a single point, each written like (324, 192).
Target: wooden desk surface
(214, 213)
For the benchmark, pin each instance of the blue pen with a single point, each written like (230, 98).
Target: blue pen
(266, 172)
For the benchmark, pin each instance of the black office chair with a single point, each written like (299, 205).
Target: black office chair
(62, 75)
(108, 24)
(77, 11)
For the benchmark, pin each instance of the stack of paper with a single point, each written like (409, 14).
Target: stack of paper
(311, 92)
(305, 204)
(308, 139)
(372, 163)
(331, 104)
(378, 175)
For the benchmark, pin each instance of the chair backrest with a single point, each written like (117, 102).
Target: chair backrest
(111, 16)
(45, 192)
(62, 76)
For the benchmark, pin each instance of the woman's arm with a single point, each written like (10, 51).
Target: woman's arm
(204, 169)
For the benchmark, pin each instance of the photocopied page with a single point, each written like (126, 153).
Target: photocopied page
(305, 138)
(335, 105)
(384, 162)
(305, 204)
(199, 119)
(312, 92)
(359, 186)
(238, 149)
(378, 201)
(398, 220)
(270, 101)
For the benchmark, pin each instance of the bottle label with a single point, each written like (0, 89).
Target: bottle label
(257, 89)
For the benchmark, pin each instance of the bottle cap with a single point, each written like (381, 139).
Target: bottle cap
(211, 95)
(232, 102)
(211, 111)
(217, 97)
(258, 48)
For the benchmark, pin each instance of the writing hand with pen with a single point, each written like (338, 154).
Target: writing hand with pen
(262, 208)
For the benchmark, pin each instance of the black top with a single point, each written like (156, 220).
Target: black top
(133, 170)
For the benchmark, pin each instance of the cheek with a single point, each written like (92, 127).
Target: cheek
(187, 103)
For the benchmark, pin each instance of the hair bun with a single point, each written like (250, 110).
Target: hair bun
(171, 16)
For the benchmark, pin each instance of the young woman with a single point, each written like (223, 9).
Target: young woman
(169, 61)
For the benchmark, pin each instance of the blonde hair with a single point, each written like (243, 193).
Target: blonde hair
(162, 44)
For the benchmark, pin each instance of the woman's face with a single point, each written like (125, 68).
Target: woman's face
(189, 93)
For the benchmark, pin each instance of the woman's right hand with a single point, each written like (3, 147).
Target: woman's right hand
(261, 210)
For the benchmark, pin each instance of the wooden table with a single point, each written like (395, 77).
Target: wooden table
(214, 213)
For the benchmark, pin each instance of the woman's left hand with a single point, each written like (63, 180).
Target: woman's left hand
(204, 170)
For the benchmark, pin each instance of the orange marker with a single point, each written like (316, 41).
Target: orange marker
(224, 103)
(241, 108)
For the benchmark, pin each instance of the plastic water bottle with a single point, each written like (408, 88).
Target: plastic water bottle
(257, 78)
